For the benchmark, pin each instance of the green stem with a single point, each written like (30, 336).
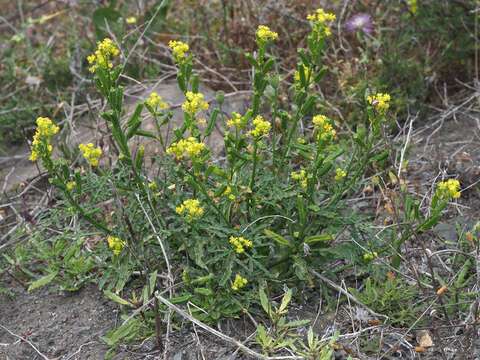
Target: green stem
(84, 215)
(255, 150)
(201, 187)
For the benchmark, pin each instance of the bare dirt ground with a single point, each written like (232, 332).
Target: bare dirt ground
(46, 324)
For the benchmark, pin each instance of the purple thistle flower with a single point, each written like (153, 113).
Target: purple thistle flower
(360, 21)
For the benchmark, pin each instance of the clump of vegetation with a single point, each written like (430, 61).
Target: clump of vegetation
(269, 216)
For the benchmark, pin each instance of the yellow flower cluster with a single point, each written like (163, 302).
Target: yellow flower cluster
(320, 20)
(191, 147)
(325, 129)
(369, 256)
(380, 102)
(101, 57)
(179, 49)
(300, 176)
(71, 184)
(45, 129)
(116, 244)
(449, 189)
(239, 282)
(154, 100)
(240, 243)
(340, 174)
(194, 103)
(264, 34)
(413, 6)
(90, 153)
(190, 209)
(227, 192)
(308, 76)
(321, 17)
(236, 120)
(131, 20)
(262, 127)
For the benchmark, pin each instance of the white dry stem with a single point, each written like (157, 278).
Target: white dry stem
(407, 140)
(27, 341)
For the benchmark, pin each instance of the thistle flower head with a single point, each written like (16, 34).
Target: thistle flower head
(360, 22)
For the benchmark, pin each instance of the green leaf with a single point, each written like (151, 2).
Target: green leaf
(203, 279)
(180, 299)
(195, 84)
(203, 291)
(145, 133)
(264, 300)
(297, 323)
(268, 65)
(324, 169)
(278, 238)
(152, 281)
(302, 214)
(181, 82)
(211, 123)
(380, 157)
(301, 73)
(310, 337)
(427, 225)
(318, 238)
(303, 57)
(133, 129)
(300, 268)
(43, 281)
(116, 298)
(285, 300)
(319, 76)
(251, 60)
(120, 333)
(227, 271)
(134, 118)
(312, 99)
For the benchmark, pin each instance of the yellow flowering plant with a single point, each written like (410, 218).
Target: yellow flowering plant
(276, 206)
(445, 192)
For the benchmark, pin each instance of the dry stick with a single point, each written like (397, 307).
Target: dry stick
(80, 349)
(218, 74)
(218, 333)
(476, 47)
(142, 34)
(196, 334)
(405, 148)
(27, 341)
(344, 292)
(340, 25)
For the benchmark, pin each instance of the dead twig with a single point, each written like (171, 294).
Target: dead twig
(25, 340)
